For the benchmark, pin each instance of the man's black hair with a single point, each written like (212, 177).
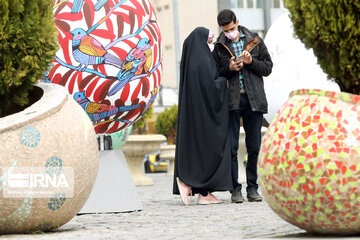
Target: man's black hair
(225, 17)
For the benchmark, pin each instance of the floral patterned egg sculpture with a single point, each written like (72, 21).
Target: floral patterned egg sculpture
(109, 59)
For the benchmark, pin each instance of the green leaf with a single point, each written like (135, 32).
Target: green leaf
(22, 58)
(332, 29)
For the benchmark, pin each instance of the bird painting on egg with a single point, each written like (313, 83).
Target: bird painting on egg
(110, 58)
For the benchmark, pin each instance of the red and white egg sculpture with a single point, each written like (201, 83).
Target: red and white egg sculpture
(109, 60)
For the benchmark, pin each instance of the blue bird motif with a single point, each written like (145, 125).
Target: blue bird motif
(97, 111)
(89, 51)
(138, 61)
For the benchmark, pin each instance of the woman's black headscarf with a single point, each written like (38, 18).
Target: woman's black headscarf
(202, 158)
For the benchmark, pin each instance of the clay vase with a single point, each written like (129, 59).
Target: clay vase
(48, 163)
(309, 162)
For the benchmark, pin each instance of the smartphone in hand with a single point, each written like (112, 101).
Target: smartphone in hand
(238, 58)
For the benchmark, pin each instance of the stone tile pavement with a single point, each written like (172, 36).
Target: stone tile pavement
(164, 217)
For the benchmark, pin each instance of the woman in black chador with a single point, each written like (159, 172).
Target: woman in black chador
(202, 160)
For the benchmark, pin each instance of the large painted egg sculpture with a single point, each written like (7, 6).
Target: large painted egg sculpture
(109, 60)
(295, 67)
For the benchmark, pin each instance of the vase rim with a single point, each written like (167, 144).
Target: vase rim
(51, 101)
(343, 96)
(147, 138)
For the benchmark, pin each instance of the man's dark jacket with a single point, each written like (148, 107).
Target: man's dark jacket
(253, 73)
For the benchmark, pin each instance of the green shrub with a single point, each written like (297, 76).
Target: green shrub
(28, 43)
(332, 29)
(166, 123)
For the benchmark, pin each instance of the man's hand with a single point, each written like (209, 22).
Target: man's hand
(235, 65)
(247, 57)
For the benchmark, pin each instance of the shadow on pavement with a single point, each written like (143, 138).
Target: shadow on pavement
(315, 236)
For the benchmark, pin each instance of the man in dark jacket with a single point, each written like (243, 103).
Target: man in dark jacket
(242, 57)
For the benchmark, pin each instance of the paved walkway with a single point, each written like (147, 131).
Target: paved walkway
(164, 217)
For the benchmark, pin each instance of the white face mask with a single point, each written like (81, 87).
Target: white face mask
(210, 39)
(232, 35)
(211, 46)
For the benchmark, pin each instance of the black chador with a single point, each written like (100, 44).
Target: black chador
(202, 158)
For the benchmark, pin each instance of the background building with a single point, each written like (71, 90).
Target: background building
(177, 18)
(257, 15)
